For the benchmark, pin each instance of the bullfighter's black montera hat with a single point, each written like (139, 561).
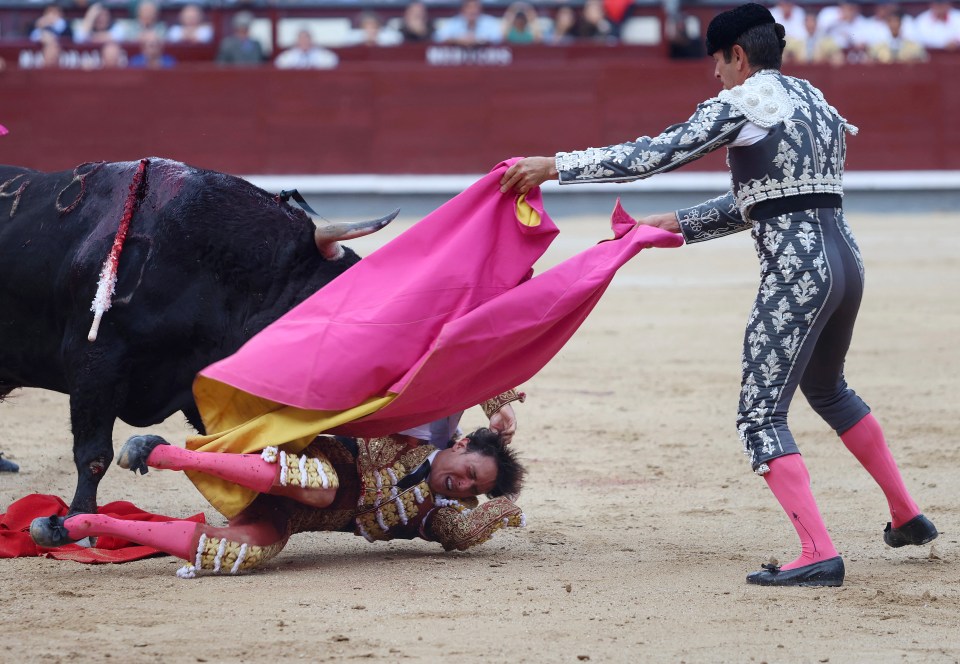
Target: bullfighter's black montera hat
(726, 28)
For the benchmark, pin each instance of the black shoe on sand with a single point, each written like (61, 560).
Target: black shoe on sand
(918, 530)
(824, 573)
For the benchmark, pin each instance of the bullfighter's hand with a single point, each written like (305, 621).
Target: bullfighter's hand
(504, 422)
(667, 221)
(528, 173)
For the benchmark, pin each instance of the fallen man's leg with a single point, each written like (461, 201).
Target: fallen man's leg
(306, 478)
(248, 541)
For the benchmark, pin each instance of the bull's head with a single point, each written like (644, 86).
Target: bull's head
(329, 235)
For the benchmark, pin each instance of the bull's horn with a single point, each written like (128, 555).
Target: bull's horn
(328, 235)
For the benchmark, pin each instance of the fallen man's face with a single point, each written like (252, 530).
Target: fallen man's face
(457, 473)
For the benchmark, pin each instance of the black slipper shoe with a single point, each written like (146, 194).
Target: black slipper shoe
(824, 573)
(133, 455)
(918, 530)
(49, 531)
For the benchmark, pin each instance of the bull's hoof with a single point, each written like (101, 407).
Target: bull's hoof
(8, 466)
(134, 453)
(49, 531)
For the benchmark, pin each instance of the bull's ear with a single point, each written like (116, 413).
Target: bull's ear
(329, 234)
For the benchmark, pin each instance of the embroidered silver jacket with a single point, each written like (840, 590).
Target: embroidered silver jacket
(802, 153)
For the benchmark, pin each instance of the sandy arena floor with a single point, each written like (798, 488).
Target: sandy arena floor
(643, 516)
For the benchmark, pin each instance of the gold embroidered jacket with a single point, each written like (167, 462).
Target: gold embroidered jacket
(370, 501)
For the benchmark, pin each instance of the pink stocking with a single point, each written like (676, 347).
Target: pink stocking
(248, 470)
(790, 482)
(178, 538)
(865, 440)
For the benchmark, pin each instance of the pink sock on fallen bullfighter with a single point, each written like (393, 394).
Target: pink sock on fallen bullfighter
(866, 441)
(248, 470)
(178, 538)
(790, 482)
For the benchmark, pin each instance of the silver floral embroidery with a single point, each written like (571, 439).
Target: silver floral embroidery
(791, 343)
(820, 263)
(749, 391)
(618, 153)
(646, 160)
(758, 338)
(782, 315)
(806, 235)
(790, 128)
(768, 443)
(768, 288)
(788, 262)
(799, 102)
(804, 290)
(662, 139)
(786, 157)
(772, 240)
(596, 171)
(824, 130)
(770, 368)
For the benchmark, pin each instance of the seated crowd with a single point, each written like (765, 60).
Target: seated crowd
(834, 34)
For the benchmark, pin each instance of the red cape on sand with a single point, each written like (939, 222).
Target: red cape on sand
(15, 539)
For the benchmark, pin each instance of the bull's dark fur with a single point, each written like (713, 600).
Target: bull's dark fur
(209, 261)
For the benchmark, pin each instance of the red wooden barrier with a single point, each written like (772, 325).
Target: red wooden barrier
(408, 117)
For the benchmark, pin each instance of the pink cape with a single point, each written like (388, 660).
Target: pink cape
(444, 316)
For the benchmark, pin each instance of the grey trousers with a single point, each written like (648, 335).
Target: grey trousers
(799, 330)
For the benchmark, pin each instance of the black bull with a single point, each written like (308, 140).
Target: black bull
(209, 261)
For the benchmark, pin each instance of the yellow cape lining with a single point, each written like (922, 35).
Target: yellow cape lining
(240, 423)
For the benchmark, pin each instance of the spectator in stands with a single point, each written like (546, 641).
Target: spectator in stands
(147, 20)
(151, 55)
(938, 26)
(593, 23)
(844, 25)
(683, 40)
(98, 26)
(192, 28)
(814, 47)
(306, 55)
(51, 22)
(370, 31)
(112, 56)
(617, 12)
(416, 25)
(564, 22)
(876, 29)
(521, 25)
(471, 27)
(791, 17)
(51, 55)
(240, 48)
(897, 48)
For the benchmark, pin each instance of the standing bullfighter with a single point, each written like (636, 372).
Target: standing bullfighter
(786, 150)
